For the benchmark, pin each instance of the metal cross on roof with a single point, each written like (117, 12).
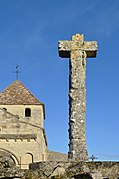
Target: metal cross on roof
(17, 72)
(93, 158)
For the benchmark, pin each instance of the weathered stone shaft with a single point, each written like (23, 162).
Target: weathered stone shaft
(77, 107)
(77, 50)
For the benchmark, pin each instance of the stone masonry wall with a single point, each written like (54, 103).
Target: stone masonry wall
(24, 137)
(76, 170)
(62, 170)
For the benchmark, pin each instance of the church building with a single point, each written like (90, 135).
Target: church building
(22, 135)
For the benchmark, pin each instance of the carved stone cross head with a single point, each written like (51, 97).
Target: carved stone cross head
(77, 44)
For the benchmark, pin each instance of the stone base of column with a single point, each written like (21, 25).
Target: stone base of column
(77, 150)
(72, 156)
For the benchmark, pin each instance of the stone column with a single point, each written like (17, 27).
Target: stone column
(77, 106)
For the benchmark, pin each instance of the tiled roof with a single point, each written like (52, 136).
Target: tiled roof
(17, 94)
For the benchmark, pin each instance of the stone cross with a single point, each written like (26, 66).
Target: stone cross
(77, 50)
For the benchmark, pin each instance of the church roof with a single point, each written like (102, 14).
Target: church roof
(17, 94)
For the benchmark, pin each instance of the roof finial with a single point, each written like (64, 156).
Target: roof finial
(17, 71)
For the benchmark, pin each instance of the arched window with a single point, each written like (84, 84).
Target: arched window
(27, 112)
(26, 160)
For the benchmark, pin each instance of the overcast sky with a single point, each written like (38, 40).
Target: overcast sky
(29, 35)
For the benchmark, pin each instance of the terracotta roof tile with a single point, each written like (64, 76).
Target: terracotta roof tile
(17, 94)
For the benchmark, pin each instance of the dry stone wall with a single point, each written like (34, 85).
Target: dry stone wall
(61, 170)
(76, 170)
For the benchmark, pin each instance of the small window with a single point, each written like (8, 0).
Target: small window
(27, 112)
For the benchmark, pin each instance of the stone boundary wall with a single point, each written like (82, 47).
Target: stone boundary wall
(56, 156)
(62, 170)
(69, 170)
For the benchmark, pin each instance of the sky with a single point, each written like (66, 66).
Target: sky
(29, 35)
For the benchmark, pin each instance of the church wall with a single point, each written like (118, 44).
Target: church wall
(43, 147)
(37, 116)
(11, 124)
(23, 136)
(21, 148)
